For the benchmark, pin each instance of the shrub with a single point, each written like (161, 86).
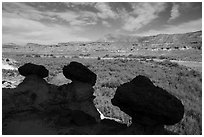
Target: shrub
(75, 56)
(168, 63)
(111, 83)
(37, 56)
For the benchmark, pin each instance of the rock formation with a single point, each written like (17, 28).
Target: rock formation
(37, 107)
(79, 93)
(33, 69)
(33, 91)
(78, 72)
(147, 104)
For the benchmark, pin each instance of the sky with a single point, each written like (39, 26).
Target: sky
(52, 23)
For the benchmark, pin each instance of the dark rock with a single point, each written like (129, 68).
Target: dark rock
(81, 118)
(78, 72)
(64, 121)
(142, 81)
(112, 123)
(137, 129)
(33, 69)
(148, 104)
(111, 127)
(79, 96)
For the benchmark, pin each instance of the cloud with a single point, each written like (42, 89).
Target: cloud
(73, 4)
(143, 14)
(20, 25)
(82, 18)
(105, 23)
(105, 11)
(21, 31)
(174, 12)
(191, 26)
(50, 22)
(22, 10)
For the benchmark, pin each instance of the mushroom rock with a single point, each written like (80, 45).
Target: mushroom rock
(33, 69)
(148, 104)
(78, 72)
(80, 91)
(33, 90)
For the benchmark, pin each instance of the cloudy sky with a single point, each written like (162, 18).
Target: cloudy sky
(50, 23)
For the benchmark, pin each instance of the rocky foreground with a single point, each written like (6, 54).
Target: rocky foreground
(38, 107)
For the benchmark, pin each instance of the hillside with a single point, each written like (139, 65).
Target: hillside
(118, 41)
(119, 38)
(173, 46)
(192, 39)
(10, 45)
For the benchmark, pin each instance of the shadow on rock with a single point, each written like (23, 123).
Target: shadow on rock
(69, 108)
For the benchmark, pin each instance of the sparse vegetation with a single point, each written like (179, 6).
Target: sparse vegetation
(180, 81)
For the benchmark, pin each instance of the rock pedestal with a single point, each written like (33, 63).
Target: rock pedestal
(80, 92)
(34, 87)
(69, 108)
(148, 104)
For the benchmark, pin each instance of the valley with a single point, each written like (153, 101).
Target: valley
(172, 62)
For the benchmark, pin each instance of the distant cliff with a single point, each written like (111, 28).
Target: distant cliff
(192, 39)
(115, 42)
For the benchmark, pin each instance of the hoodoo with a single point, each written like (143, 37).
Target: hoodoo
(80, 91)
(148, 104)
(34, 87)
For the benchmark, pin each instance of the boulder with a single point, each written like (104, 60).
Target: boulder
(148, 104)
(33, 69)
(78, 72)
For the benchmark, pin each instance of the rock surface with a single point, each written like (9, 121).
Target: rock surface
(37, 107)
(78, 72)
(79, 93)
(148, 104)
(33, 69)
(35, 90)
(79, 96)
